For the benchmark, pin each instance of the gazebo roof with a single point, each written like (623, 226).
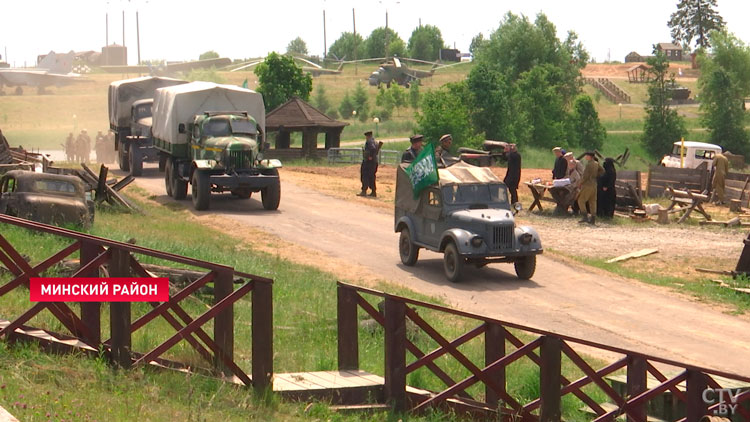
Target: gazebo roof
(297, 114)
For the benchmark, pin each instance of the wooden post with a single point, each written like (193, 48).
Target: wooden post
(283, 140)
(91, 311)
(348, 333)
(636, 384)
(735, 205)
(262, 341)
(119, 313)
(549, 383)
(494, 349)
(224, 320)
(696, 408)
(395, 354)
(663, 216)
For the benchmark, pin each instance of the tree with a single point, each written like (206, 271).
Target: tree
(446, 110)
(541, 106)
(279, 79)
(587, 129)
(209, 55)
(375, 44)
(321, 102)
(491, 101)
(349, 46)
(476, 43)
(724, 84)
(425, 43)
(662, 126)
(297, 46)
(695, 19)
(346, 107)
(361, 102)
(414, 96)
(398, 94)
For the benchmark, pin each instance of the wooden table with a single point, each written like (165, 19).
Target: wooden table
(537, 191)
(686, 201)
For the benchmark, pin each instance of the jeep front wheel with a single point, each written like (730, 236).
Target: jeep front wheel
(525, 267)
(453, 263)
(407, 249)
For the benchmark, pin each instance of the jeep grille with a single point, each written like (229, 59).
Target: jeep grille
(502, 237)
(240, 160)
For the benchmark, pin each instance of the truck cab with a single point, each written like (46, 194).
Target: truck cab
(695, 154)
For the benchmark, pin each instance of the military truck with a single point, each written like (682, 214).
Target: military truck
(467, 216)
(212, 137)
(130, 103)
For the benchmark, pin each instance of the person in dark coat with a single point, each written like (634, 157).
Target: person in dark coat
(561, 164)
(513, 174)
(606, 197)
(369, 167)
(411, 153)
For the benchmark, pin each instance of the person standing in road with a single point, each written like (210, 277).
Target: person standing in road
(70, 148)
(721, 168)
(588, 188)
(369, 166)
(513, 174)
(416, 147)
(561, 164)
(99, 146)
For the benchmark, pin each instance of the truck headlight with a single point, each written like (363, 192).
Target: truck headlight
(476, 241)
(526, 238)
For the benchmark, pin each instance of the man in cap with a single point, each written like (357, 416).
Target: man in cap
(561, 164)
(513, 174)
(587, 196)
(442, 152)
(416, 146)
(369, 166)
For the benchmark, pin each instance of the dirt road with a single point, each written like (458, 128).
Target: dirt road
(562, 298)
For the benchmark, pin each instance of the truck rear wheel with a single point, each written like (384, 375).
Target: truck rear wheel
(135, 160)
(122, 156)
(201, 190)
(176, 187)
(407, 249)
(525, 267)
(168, 178)
(453, 263)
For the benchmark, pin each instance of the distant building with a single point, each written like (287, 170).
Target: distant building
(450, 55)
(114, 55)
(633, 57)
(671, 50)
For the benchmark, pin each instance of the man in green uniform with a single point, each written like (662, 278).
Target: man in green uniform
(587, 196)
(721, 168)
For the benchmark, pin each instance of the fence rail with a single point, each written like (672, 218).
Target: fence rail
(354, 155)
(120, 259)
(503, 347)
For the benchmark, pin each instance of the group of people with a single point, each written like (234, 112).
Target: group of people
(587, 187)
(78, 149)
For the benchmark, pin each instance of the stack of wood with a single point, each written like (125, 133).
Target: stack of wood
(104, 190)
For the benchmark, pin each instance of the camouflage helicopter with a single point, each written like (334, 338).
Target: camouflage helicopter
(393, 71)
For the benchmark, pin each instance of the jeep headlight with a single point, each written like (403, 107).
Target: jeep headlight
(526, 238)
(477, 241)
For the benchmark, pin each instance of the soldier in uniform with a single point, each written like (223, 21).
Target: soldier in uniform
(369, 166)
(513, 174)
(83, 147)
(70, 147)
(588, 188)
(721, 168)
(99, 147)
(411, 153)
(110, 148)
(442, 152)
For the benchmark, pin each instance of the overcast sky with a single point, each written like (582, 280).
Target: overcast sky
(182, 29)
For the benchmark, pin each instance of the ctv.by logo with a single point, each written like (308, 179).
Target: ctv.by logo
(724, 408)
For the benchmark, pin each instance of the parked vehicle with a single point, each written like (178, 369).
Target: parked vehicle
(695, 154)
(45, 198)
(467, 216)
(212, 137)
(130, 103)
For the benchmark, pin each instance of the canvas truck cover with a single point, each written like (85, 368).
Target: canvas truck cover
(122, 95)
(180, 104)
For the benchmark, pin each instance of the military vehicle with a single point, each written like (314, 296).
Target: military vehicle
(52, 70)
(393, 71)
(45, 198)
(467, 216)
(130, 102)
(212, 137)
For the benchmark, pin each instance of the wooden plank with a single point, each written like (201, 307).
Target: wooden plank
(348, 328)
(119, 313)
(5, 416)
(635, 254)
(262, 330)
(395, 353)
(338, 379)
(549, 379)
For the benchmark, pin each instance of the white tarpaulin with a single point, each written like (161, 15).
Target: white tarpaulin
(181, 103)
(122, 95)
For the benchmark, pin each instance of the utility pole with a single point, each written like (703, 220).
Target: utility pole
(354, 23)
(386, 34)
(138, 37)
(106, 39)
(123, 38)
(325, 43)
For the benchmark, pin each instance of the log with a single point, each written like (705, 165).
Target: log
(710, 271)
(631, 255)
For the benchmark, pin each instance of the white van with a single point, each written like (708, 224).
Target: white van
(696, 153)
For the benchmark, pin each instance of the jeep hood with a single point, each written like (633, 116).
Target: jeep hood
(490, 215)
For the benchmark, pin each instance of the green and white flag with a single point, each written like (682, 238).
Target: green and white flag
(422, 171)
(244, 84)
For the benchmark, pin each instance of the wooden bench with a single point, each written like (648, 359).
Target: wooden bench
(686, 202)
(537, 191)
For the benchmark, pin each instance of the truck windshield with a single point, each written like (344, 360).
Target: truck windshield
(482, 194)
(245, 127)
(143, 110)
(216, 127)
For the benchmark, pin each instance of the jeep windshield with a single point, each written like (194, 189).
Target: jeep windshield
(243, 127)
(487, 195)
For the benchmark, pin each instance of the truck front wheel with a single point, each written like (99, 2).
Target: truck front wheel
(122, 156)
(453, 263)
(525, 267)
(271, 196)
(201, 189)
(135, 160)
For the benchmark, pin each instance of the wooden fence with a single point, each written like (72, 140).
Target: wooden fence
(685, 179)
(629, 190)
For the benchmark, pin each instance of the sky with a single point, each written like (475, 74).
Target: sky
(183, 29)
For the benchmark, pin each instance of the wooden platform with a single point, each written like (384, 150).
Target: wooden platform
(340, 387)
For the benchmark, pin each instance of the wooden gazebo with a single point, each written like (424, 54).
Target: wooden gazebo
(298, 116)
(639, 73)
